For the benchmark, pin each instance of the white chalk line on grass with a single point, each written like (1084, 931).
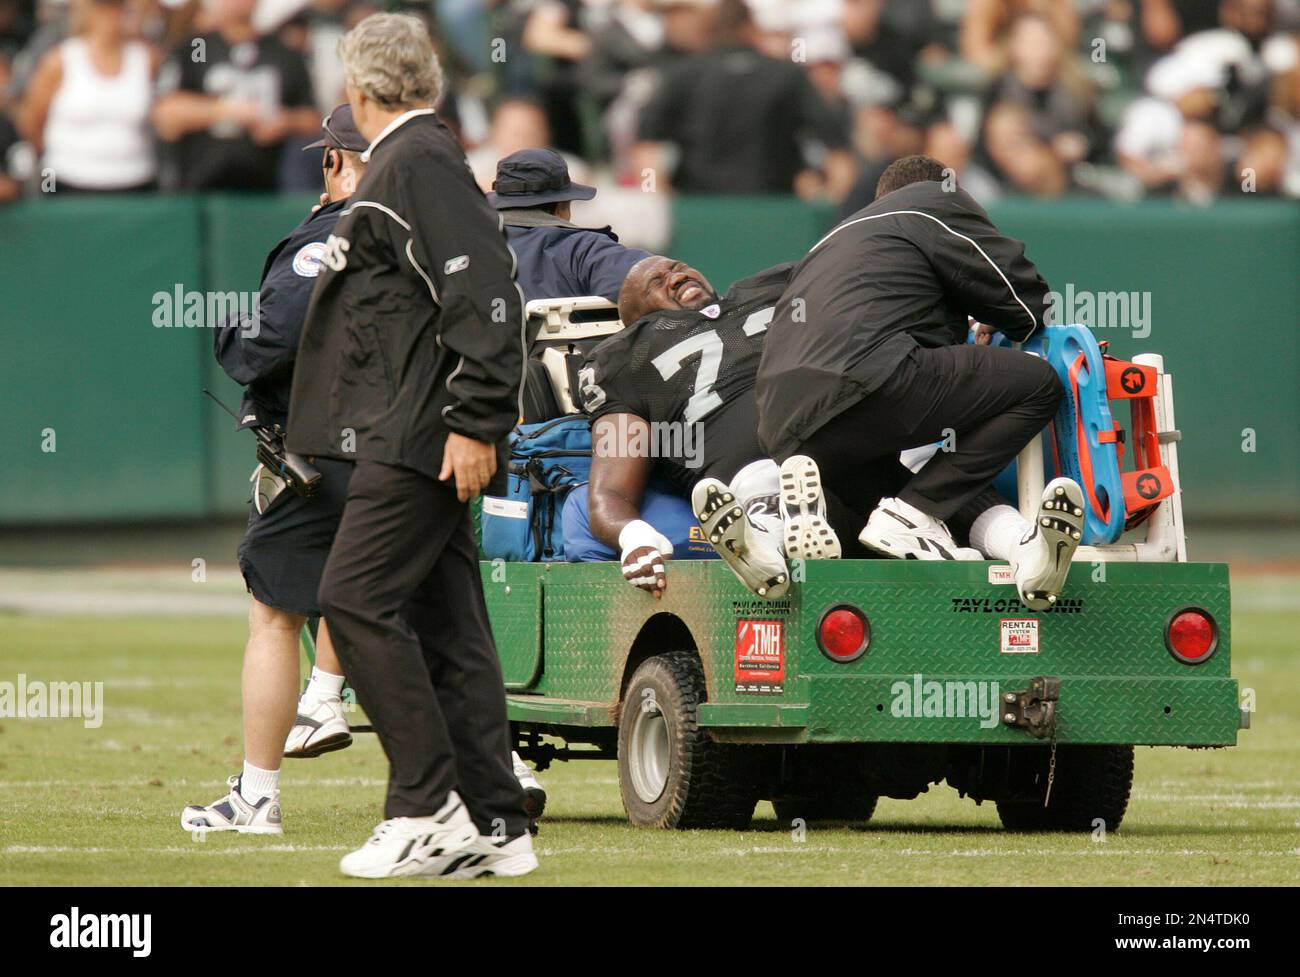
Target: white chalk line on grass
(185, 782)
(193, 848)
(202, 848)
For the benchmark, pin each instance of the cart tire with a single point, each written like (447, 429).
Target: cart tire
(1092, 783)
(671, 773)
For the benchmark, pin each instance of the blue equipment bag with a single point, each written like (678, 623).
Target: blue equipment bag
(547, 461)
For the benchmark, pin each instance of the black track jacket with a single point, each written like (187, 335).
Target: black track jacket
(904, 272)
(416, 326)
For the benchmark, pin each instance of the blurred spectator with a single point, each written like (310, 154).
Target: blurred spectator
(518, 123)
(1202, 175)
(1225, 68)
(987, 22)
(628, 39)
(742, 122)
(86, 108)
(1054, 103)
(894, 36)
(1148, 143)
(883, 133)
(11, 143)
(1020, 157)
(553, 32)
(15, 26)
(231, 99)
(1166, 22)
(1262, 163)
(1285, 116)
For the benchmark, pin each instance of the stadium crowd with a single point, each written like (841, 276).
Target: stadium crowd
(1195, 99)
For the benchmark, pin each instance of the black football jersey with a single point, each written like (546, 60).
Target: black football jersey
(690, 374)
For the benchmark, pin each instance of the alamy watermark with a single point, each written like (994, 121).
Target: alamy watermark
(681, 441)
(34, 699)
(918, 698)
(183, 308)
(1100, 310)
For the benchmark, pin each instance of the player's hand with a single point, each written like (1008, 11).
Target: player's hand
(324, 199)
(644, 567)
(983, 334)
(472, 463)
(645, 550)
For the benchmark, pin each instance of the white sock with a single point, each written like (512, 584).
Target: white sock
(257, 783)
(323, 686)
(997, 532)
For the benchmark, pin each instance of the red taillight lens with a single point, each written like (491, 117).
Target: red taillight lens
(843, 634)
(1192, 635)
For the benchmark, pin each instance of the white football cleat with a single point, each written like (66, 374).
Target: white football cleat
(234, 813)
(906, 533)
(1043, 557)
(503, 857)
(805, 532)
(432, 845)
(320, 727)
(534, 793)
(743, 546)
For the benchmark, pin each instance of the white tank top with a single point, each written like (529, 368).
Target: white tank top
(97, 134)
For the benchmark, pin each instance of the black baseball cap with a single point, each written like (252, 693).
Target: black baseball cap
(340, 132)
(532, 177)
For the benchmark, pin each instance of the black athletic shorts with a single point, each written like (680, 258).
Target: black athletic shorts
(283, 552)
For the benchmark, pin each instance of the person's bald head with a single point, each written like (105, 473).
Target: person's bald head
(657, 283)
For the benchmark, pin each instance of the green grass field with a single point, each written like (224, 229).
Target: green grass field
(100, 806)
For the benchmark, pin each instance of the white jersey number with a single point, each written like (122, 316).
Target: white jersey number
(708, 344)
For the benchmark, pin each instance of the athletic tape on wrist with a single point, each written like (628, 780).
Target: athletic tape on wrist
(638, 533)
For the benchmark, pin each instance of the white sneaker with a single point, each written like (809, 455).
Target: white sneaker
(534, 794)
(431, 845)
(806, 533)
(234, 813)
(496, 856)
(1043, 557)
(319, 728)
(906, 533)
(746, 548)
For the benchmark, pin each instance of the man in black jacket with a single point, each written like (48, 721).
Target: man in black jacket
(867, 356)
(410, 366)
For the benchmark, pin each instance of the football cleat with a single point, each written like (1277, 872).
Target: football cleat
(742, 545)
(432, 845)
(1043, 556)
(319, 728)
(234, 813)
(534, 793)
(495, 856)
(906, 533)
(806, 534)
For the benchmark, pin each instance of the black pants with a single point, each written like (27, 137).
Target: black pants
(985, 402)
(404, 603)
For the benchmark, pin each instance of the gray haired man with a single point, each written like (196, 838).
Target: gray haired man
(411, 362)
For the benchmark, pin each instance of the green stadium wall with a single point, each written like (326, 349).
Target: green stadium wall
(135, 439)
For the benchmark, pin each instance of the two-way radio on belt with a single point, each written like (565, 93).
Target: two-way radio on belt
(297, 472)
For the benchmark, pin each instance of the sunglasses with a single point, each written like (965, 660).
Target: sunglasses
(330, 132)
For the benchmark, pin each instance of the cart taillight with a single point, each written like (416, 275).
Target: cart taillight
(1192, 635)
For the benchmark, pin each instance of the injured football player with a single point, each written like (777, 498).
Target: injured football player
(688, 358)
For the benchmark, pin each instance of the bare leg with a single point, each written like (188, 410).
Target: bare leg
(270, 683)
(326, 659)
